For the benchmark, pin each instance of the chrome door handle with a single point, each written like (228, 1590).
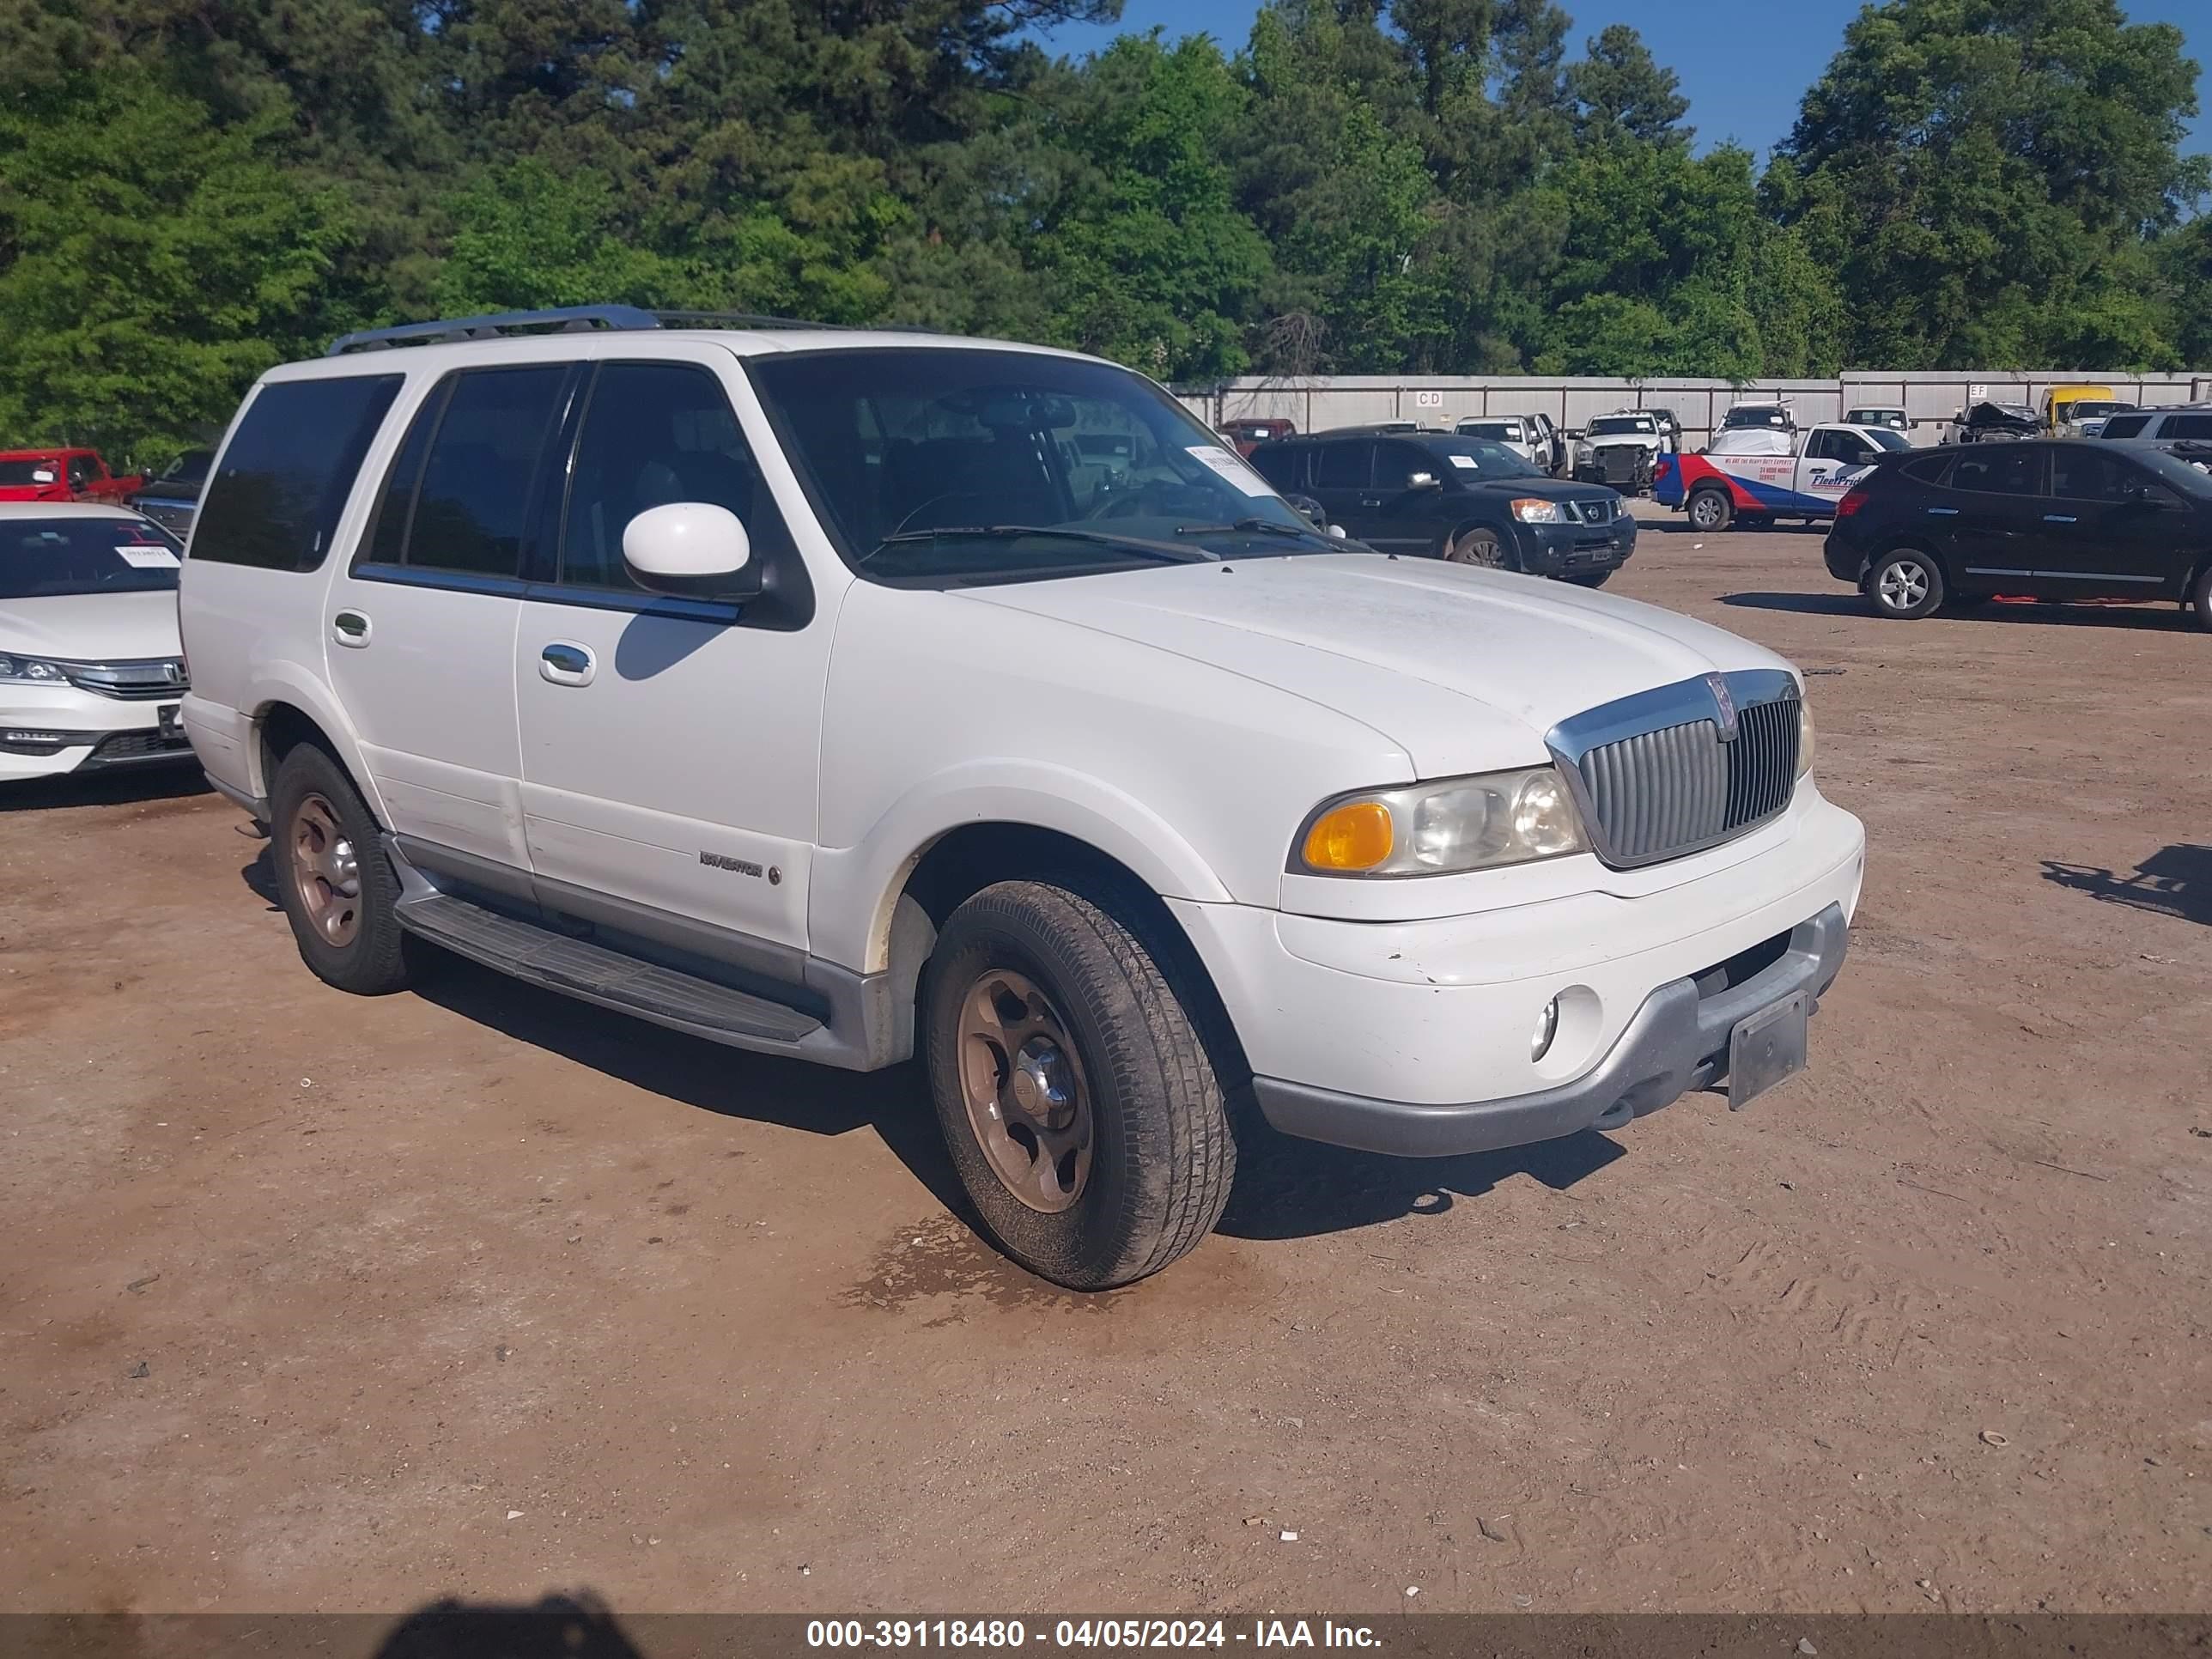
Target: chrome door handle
(350, 627)
(1942, 512)
(1371, 501)
(2058, 518)
(565, 665)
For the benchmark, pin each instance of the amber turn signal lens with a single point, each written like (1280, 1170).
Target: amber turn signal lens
(1353, 836)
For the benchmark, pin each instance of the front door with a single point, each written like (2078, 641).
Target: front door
(669, 746)
(420, 630)
(1403, 503)
(2110, 527)
(1995, 524)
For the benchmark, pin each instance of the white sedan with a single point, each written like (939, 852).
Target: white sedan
(91, 672)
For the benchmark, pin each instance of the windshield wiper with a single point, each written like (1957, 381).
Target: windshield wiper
(1260, 527)
(1166, 551)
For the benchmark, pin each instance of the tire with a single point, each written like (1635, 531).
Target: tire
(1903, 584)
(1590, 578)
(1963, 602)
(1477, 546)
(1711, 510)
(1027, 971)
(338, 888)
(2200, 598)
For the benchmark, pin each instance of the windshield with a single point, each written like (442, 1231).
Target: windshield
(2183, 475)
(51, 558)
(2091, 411)
(1503, 431)
(910, 454)
(1755, 415)
(1614, 426)
(29, 472)
(1885, 439)
(189, 468)
(1474, 459)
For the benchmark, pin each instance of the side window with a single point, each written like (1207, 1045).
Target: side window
(1280, 466)
(1928, 469)
(474, 498)
(289, 467)
(395, 507)
(656, 433)
(80, 472)
(1342, 467)
(2083, 475)
(2185, 426)
(1396, 462)
(2004, 468)
(2126, 426)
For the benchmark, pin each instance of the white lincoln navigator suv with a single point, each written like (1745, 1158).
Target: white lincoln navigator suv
(853, 696)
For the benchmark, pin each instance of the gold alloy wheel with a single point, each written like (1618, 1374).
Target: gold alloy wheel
(324, 871)
(1028, 1100)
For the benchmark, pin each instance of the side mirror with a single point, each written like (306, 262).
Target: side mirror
(1423, 481)
(691, 550)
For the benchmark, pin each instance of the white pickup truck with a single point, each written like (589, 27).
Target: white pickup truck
(1767, 474)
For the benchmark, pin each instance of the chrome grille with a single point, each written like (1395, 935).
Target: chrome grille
(132, 682)
(1656, 778)
(1596, 510)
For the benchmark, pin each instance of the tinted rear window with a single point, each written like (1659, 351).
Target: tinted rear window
(284, 479)
(2184, 426)
(19, 473)
(2125, 426)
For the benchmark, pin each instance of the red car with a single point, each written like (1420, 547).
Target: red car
(61, 475)
(1247, 435)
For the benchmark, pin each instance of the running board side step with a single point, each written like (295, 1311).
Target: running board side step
(578, 967)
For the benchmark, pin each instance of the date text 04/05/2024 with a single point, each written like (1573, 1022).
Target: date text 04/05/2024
(1086, 1633)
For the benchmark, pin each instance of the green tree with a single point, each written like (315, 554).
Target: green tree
(1619, 90)
(1974, 170)
(152, 263)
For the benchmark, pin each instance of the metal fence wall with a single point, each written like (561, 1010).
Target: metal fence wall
(1931, 397)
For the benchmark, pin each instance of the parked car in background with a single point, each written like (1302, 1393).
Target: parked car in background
(91, 674)
(1670, 427)
(836, 709)
(1621, 450)
(1881, 415)
(1243, 434)
(1515, 432)
(1463, 499)
(2077, 411)
(2178, 422)
(1989, 423)
(1759, 473)
(1764, 413)
(2052, 519)
(172, 499)
(61, 475)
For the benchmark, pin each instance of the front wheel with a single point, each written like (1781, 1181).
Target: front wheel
(1078, 1099)
(1905, 584)
(1590, 578)
(1711, 510)
(1479, 547)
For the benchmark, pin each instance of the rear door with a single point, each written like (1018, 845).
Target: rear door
(1341, 469)
(422, 628)
(1997, 503)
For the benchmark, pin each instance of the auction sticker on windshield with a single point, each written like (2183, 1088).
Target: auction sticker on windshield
(1229, 467)
(146, 558)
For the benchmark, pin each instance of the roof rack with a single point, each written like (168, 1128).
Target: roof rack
(564, 319)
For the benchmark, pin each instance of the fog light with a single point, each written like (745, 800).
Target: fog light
(1547, 1027)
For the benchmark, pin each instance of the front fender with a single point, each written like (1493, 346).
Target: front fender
(855, 889)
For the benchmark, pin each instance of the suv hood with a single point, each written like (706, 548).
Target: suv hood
(1464, 669)
(92, 627)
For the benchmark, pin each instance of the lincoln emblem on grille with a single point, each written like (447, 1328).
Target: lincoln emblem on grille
(1723, 708)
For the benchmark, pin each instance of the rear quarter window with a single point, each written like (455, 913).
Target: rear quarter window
(274, 503)
(2126, 426)
(2184, 426)
(1925, 469)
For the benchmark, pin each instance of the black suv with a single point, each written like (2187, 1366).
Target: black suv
(2069, 519)
(1449, 497)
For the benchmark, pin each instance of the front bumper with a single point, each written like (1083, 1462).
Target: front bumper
(1415, 1035)
(1678, 1041)
(1569, 549)
(49, 729)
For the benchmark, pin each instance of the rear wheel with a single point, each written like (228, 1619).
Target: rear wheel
(1905, 584)
(2200, 598)
(1711, 510)
(1078, 1101)
(338, 888)
(1477, 546)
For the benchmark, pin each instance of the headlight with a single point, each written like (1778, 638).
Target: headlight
(1804, 735)
(1531, 509)
(1437, 828)
(1583, 452)
(37, 670)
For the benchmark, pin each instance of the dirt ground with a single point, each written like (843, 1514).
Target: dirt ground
(310, 1302)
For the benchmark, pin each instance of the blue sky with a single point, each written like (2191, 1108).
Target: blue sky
(1742, 67)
